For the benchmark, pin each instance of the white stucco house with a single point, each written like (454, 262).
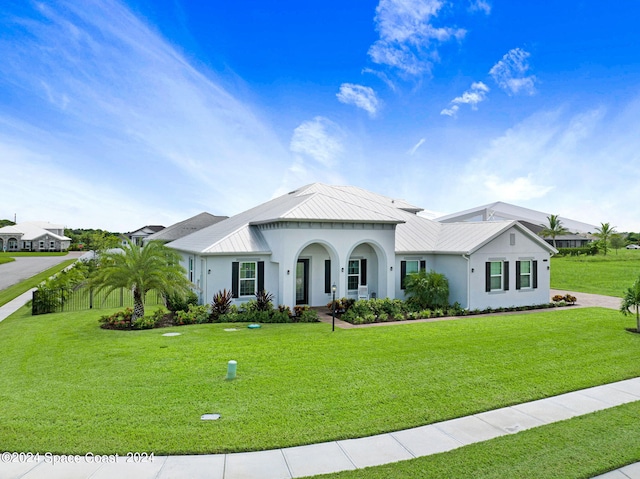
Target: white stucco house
(298, 245)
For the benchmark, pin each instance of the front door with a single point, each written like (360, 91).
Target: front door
(302, 281)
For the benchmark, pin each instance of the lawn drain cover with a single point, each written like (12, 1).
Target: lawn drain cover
(210, 417)
(172, 334)
(253, 326)
(231, 329)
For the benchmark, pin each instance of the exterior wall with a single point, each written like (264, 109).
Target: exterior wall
(375, 243)
(430, 264)
(456, 269)
(211, 274)
(342, 241)
(501, 249)
(7, 242)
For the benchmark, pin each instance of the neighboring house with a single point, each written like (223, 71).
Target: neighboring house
(34, 236)
(184, 228)
(297, 246)
(580, 234)
(139, 235)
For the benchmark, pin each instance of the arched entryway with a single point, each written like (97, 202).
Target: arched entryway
(315, 271)
(365, 272)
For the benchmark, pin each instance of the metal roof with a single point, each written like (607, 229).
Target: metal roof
(186, 227)
(505, 211)
(323, 203)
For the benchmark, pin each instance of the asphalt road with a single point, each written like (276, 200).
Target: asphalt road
(28, 266)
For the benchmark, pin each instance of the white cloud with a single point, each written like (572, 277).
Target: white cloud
(319, 139)
(408, 40)
(361, 96)
(510, 73)
(416, 146)
(122, 106)
(521, 188)
(475, 94)
(452, 112)
(480, 6)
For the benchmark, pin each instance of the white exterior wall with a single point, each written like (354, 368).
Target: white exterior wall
(456, 269)
(501, 249)
(289, 242)
(430, 264)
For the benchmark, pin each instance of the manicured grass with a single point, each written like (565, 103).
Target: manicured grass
(70, 387)
(582, 447)
(610, 275)
(6, 259)
(17, 289)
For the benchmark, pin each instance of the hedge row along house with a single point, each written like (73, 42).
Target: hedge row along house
(299, 245)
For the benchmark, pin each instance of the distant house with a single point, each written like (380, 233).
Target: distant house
(34, 236)
(184, 228)
(300, 245)
(140, 234)
(580, 234)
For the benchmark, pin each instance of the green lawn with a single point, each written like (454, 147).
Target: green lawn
(70, 387)
(6, 259)
(610, 275)
(579, 448)
(17, 289)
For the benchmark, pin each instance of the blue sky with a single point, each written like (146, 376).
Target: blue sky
(116, 114)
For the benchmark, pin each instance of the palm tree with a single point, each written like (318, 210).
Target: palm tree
(140, 269)
(553, 229)
(631, 299)
(604, 233)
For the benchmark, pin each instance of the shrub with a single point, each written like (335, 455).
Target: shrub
(264, 301)
(176, 302)
(221, 304)
(427, 290)
(194, 314)
(118, 320)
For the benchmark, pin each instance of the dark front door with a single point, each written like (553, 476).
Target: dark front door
(302, 281)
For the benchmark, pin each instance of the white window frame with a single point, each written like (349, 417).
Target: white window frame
(351, 274)
(528, 275)
(246, 280)
(409, 270)
(492, 276)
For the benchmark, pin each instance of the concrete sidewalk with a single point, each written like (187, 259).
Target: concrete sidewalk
(333, 456)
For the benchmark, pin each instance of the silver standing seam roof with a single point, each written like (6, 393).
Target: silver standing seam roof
(185, 227)
(319, 203)
(506, 211)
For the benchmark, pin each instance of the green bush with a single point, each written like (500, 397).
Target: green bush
(177, 303)
(427, 290)
(194, 315)
(118, 320)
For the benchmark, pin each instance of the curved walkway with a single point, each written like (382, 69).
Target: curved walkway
(343, 455)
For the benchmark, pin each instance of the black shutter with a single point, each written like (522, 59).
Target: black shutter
(535, 274)
(506, 275)
(518, 283)
(327, 276)
(235, 275)
(403, 273)
(487, 276)
(260, 276)
(363, 272)
(423, 265)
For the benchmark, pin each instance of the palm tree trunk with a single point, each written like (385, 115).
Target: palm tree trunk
(138, 305)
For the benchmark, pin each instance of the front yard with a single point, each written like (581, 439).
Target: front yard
(70, 387)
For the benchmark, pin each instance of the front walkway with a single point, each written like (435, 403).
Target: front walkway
(288, 463)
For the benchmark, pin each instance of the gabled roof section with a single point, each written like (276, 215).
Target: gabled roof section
(314, 203)
(466, 238)
(504, 211)
(30, 231)
(186, 227)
